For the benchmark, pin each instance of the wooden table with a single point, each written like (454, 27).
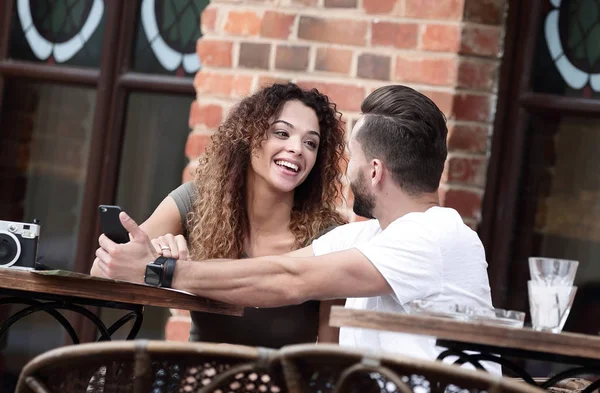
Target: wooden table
(53, 290)
(493, 342)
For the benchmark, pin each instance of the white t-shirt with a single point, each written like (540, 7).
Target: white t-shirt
(431, 256)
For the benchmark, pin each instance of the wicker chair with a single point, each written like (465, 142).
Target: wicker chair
(148, 366)
(151, 366)
(331, 369)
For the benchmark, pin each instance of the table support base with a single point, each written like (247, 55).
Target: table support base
(475, 359)
(52, 308)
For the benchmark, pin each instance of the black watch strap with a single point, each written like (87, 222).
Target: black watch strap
(160, 261)
(168, 272)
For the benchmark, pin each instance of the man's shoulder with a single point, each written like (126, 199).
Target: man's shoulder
(360, 229)
(346, 236)
(435, 220)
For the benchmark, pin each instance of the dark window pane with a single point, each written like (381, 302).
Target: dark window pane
(152, 163)
(561, 199)
(45, 132)
(58, 31)
(166, 35)
(153, 155)
(567, 60)
(44, 143)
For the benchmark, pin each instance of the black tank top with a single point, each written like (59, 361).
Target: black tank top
(266, 327)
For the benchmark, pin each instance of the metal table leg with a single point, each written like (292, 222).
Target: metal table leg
(55, 303)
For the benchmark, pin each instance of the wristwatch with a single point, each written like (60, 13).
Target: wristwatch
(159, 273)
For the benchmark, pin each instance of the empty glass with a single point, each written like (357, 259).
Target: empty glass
(552, 271)
(550, 305)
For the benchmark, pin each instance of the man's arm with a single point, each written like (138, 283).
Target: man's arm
(263, 282)
(302, 252)
(282, 280)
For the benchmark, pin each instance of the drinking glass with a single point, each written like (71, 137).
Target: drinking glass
(552, 271)
(550, 305)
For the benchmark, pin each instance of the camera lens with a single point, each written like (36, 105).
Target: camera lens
(10, 249)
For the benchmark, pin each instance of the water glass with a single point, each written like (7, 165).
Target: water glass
(550, 305)
(552, 271)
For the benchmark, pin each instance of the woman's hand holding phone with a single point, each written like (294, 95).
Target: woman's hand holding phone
(171, 246)
(111, 224)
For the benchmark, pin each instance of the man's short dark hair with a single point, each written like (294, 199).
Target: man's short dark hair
(407, 131)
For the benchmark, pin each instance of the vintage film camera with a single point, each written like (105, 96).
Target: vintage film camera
(18, 243)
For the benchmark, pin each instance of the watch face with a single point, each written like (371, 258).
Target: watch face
(153, 273)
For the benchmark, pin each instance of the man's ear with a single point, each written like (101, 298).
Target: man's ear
(376, 172)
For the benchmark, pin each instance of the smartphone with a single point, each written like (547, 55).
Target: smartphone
(111, 225)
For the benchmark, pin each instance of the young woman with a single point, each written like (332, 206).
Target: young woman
(267, 184)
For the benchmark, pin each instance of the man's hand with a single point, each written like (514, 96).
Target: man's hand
(127, 261)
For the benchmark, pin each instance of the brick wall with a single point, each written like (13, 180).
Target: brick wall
(448, 49)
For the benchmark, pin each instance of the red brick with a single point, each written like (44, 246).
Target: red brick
(179, 313)
(227, 85)
(472, 107)
(277, 25)
(346, 97)
(189, 171)
(196, 144)
(444, 38)
(208, 115)
(477, 74)
(381, 6)
(266, 80)
(434, 9)
(442, 99)
(208, 19)
(254, 55)
(468, 138)
(467, 203)
(372, 66)
(214, 53)
(241, 86)
(398, 35)
(177, 329)
(466, 170)
(341, 3)
(427, 70)
(337, 31)
(333, 60)
(292, 58)
(307, 3)
(481, 41)
(489, 12)
(243, 23)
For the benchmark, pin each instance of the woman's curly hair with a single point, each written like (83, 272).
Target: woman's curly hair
(218, 224)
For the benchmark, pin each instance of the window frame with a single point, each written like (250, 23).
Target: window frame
(114, 80)
(505, 236)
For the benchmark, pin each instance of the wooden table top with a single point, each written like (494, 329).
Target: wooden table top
(564, 344)
(63, 283)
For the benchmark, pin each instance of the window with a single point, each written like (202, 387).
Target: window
(568, 49)
(94, 105)
(543, 191)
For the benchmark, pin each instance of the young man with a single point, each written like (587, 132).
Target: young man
(413, 249)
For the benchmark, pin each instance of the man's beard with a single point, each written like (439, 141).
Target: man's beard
(364, 203)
